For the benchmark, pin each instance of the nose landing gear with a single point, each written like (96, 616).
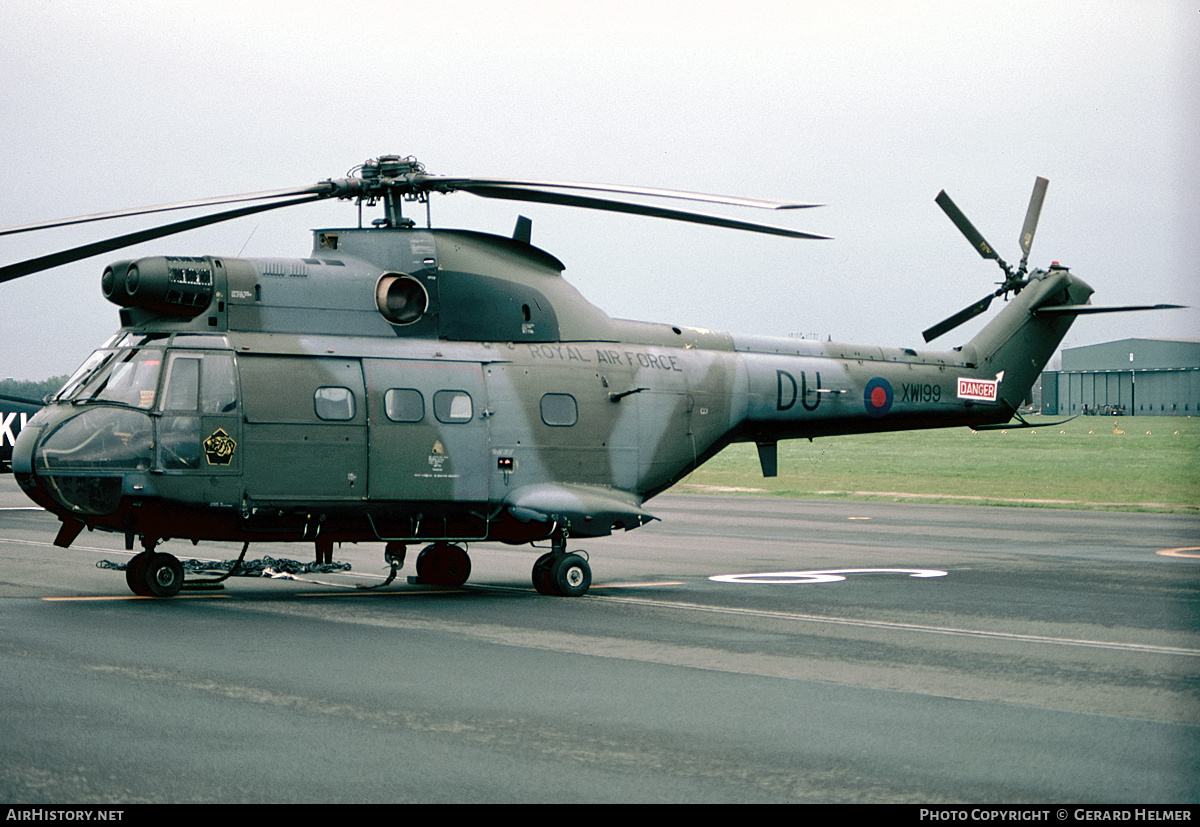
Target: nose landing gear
(154, 574)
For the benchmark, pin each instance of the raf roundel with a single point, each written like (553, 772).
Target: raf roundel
(878, 396)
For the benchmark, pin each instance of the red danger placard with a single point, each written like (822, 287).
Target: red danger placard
(985, 390)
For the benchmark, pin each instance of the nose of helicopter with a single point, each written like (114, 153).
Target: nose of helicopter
(75, 462)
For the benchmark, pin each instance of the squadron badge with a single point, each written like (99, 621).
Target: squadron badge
(219, 448)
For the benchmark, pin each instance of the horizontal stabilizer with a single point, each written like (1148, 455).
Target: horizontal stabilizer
(587, 510)
(1082, 309)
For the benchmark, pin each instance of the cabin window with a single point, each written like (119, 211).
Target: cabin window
(404, 405)
(559, 409)
(452, 406)
(336, 404)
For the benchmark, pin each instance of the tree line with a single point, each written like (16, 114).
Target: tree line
(33, 391)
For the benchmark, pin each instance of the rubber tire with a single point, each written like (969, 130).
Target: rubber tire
(442, 564)
(161, 576)
(134, 571)
(572, 575)
(543, 576)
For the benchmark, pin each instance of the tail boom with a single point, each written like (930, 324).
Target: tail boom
(826, 388)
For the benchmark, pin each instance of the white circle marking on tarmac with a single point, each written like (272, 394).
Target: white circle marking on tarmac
(1186, 551)
(822, 576)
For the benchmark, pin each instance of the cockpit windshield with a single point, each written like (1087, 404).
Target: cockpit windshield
(125, 377)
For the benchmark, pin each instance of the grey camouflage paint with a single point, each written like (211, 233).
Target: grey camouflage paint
(502, 327)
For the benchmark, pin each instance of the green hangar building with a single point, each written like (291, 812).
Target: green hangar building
(1130, 377)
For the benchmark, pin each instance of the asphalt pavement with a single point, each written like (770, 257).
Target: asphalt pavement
(740, 650)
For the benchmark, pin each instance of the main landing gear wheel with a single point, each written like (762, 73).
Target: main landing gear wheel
(442, 564)
(154, 574)
(134, 569)
(562, 575)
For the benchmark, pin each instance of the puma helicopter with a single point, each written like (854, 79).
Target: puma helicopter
(15, 411)
(437, 387)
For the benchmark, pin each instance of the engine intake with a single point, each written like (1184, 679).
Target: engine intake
(401, 298)
(173, 286)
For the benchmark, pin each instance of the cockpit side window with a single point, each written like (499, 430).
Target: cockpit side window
(182, 391)
(200, 381)
(218, 386)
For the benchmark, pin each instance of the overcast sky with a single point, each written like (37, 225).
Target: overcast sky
(869, 108)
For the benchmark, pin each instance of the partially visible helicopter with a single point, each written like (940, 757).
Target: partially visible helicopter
(14, 413)
(438, 387)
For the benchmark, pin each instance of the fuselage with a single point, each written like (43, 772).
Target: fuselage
(280, 399)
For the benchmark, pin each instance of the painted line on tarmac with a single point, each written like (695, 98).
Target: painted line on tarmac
(100, 597)
(348, 591)
(908, 627)
(636, 585)
(354, 591)
(47, 544)
(486, 587)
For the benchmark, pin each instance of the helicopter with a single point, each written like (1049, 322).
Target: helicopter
(440, 387)
(15, 411)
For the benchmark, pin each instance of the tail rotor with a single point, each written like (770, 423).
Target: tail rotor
(1014, 280)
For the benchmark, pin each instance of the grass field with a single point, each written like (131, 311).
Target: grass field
(1129, 463)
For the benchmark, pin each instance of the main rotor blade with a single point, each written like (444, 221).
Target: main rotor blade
(35, 265)
(514, 193)
(964, 315)
(37, 403)
(1032, 214)
(324, 188)
(965, 226)
(448, 184)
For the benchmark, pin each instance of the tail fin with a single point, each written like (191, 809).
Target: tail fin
(1020, 341)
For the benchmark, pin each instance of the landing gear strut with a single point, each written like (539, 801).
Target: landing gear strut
(324, 550)
(560, 574)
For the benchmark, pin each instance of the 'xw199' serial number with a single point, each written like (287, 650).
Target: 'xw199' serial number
(917, 392)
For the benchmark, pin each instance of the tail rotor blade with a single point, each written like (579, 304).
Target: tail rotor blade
(965, 226)
(1032, 215)
(964, 315)
(1013, 281)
